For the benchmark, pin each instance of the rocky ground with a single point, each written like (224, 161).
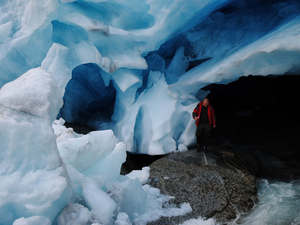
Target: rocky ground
(216, 186)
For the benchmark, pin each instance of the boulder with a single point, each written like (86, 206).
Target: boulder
(212, 188)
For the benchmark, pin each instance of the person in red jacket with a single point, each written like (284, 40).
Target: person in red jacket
(204, 115)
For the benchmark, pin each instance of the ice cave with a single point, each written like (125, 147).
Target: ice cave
(88, 97)
(88, 87)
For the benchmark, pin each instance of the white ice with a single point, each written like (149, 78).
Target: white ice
(104, 191)
(141, 175)
(34, 180)
(200, 221)
(75, 214)
(34, 220)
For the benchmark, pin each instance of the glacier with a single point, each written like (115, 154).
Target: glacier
(113, 60)
(133, 71)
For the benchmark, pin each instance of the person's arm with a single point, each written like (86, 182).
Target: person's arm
(196, 113)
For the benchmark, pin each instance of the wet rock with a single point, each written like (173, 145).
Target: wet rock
(213, 190)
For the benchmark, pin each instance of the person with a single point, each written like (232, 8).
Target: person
(204, 117)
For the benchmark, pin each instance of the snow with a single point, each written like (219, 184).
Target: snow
(45, 104)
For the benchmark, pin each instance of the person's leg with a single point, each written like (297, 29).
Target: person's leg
(209, 134)
(206, 136)
(199, 134)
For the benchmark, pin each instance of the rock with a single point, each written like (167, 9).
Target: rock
(213, 190)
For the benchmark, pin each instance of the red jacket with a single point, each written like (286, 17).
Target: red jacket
(210, 111)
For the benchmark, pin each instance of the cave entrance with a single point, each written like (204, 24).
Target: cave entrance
(260, 114)
(89, 99)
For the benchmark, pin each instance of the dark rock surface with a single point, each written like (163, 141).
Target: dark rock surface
(136, 161)
(213, 187)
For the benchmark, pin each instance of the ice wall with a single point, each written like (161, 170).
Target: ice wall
(191, 43)
(238, 39)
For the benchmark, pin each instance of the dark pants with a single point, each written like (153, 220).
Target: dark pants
(203, 134)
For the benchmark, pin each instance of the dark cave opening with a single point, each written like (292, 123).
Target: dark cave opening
(259, 115)
(89, 99)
